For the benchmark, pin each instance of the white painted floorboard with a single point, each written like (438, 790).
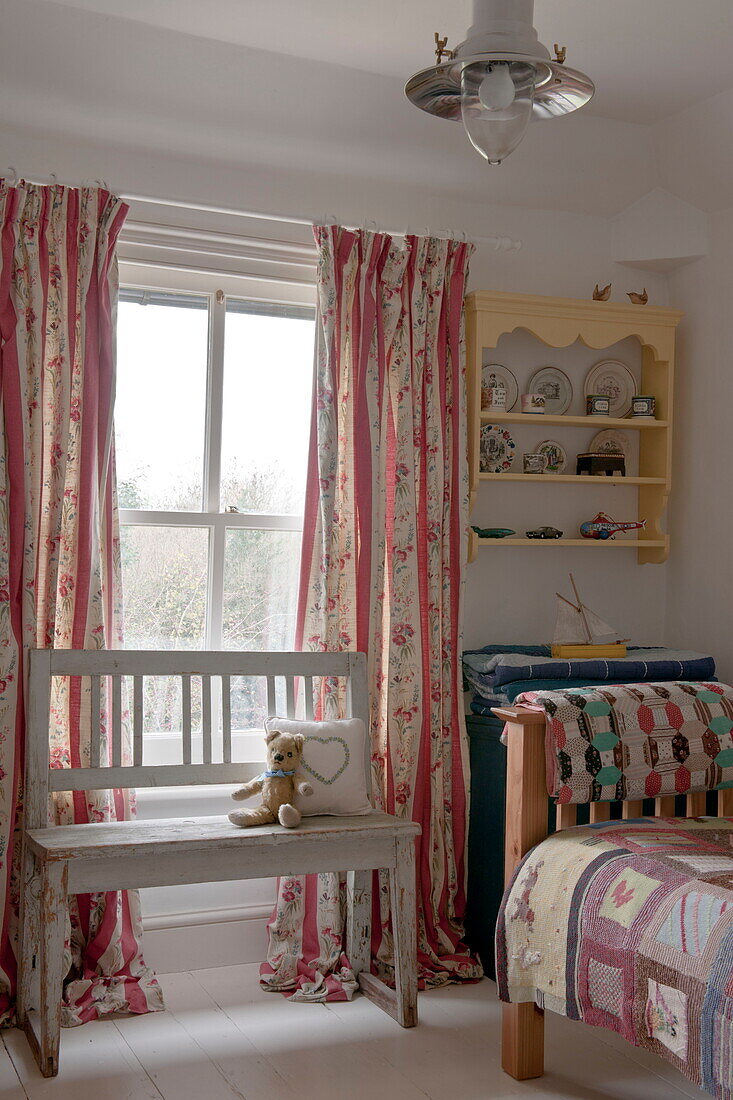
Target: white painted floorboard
(222, 1037)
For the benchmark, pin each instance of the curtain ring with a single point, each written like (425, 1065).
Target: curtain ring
(15, 176)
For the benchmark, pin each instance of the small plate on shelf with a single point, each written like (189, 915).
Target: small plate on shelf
(496, 376)
(610, 442)
(615, 380)
(555, 454)
(556, 388)
(497, 450)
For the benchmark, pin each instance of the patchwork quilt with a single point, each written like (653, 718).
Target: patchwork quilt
(628, 925)
(631, 741)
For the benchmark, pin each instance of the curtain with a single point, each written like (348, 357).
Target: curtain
(59, 550)
(384, 546)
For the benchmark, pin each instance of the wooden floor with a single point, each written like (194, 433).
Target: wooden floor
(222, 1037)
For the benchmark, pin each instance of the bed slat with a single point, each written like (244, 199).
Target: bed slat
(600, 811)
(725, 803)
(664, 806)
(567, 816)
(695, 804)
(634, 808)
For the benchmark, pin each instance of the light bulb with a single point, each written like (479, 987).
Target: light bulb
(496, 105)
(496, 91)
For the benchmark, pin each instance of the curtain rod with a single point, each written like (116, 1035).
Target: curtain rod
(501, 244)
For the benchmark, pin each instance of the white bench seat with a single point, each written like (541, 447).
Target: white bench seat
(166, 835)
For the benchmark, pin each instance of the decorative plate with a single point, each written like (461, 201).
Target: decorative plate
(610, 442)
(616, 381)
(497, 450)
(556, 388)
(495, 375)
(555, 454)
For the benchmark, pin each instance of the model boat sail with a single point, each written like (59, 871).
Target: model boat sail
(580, 632)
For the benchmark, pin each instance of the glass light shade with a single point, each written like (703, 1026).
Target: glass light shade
(496, 131)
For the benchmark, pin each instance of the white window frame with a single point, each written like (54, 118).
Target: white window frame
(216, 289)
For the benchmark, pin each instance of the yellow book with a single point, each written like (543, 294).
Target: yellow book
(575, 652)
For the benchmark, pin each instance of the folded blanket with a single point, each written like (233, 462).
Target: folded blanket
(489, 669)
(634, 741)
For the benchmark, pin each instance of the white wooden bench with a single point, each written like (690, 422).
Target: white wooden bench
(72, 859)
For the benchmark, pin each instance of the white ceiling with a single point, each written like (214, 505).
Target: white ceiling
(649, 58)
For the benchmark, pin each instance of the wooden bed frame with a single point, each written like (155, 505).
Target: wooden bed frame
(522, 1054)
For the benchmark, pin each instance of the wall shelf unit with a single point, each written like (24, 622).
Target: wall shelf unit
(559, 323)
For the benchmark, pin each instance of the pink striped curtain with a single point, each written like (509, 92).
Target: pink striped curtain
(384, 547)
(59, 548)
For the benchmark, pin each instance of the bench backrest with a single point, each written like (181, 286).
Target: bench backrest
(45, 664)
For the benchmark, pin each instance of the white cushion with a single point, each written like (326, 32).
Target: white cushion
(333, 764)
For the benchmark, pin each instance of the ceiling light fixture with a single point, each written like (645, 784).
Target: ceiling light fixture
(498, 79)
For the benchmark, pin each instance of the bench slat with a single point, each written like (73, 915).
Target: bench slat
(226, 719)
(151, 775)
(96, 725)
(206, 708)
(116, 721)
(308, 689)
(290, 697)
(137, 721)
(271, 704)
(186, 717)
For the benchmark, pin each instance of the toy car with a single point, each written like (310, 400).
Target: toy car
(544, 533)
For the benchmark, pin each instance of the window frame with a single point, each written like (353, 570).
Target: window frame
(211, 516)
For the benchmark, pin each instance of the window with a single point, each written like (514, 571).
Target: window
(212, 420)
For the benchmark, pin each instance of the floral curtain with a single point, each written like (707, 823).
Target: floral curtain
(59, 549)
(384, 546)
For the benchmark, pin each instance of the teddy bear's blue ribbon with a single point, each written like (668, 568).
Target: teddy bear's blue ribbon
(279, 773)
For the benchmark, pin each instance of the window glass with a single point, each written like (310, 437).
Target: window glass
(160, 409)
(268, 378)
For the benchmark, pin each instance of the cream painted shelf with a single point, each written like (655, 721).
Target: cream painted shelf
(574, 479)
(559, 323)
(489, 417)
(597, 544)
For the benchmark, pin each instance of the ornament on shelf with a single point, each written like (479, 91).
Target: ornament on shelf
(639, 299)
(602, 295)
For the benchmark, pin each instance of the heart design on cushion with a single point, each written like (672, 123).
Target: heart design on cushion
(341, 770)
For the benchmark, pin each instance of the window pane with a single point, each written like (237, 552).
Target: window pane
(260, 593)
(162, 347)
(268, 377)
(164, 575)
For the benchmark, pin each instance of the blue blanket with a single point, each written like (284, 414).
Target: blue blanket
(499, 673)
(489, 669)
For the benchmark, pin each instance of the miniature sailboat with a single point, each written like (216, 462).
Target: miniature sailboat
(579, 631)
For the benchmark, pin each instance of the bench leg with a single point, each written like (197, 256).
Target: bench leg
(523, 1040)
(42, 965)
(400, 1002)
(359, 920)
(29, 947)
(402, 888)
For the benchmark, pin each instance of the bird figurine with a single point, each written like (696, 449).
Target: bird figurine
(602, 295)
(639, 299)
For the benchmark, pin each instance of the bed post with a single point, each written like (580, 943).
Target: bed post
(523, 1036)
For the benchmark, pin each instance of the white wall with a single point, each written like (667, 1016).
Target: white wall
(700, 589)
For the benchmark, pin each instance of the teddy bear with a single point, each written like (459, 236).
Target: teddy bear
(279, 783)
